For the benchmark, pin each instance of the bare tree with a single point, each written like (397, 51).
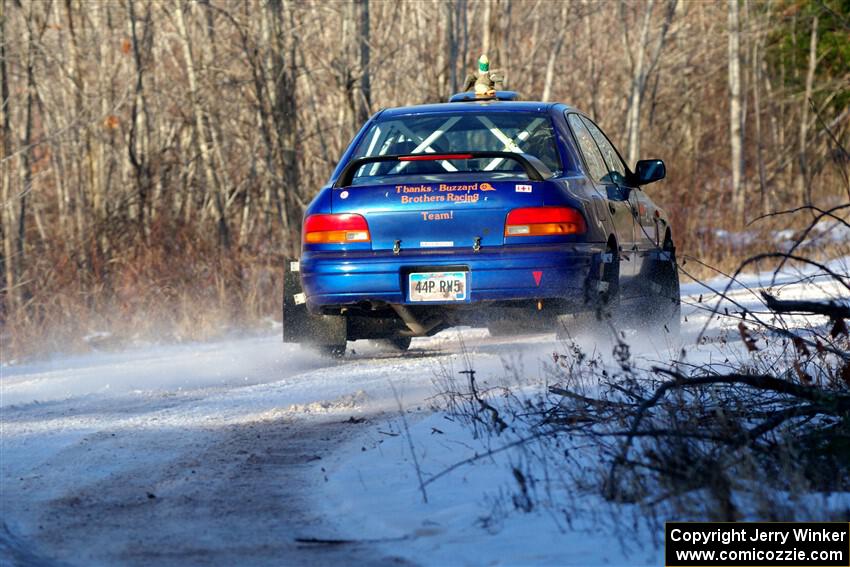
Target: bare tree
(201, 133)
(139, 116)
(642, 65)
(736, 132)
(140, 140)
(556, 52)
(6, 213)
(364, 108)
(804, 195)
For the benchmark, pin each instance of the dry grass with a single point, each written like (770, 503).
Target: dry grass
(706, 250)
(179, 287)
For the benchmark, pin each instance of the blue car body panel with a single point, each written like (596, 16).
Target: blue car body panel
(455, 221)
(494, 275)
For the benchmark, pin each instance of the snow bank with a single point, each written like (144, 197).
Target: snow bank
(468, 520)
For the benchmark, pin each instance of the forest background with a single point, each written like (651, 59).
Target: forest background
(157, 155)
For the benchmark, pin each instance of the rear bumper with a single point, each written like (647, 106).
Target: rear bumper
(504, 274)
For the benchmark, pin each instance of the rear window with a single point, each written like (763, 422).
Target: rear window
(521, 132)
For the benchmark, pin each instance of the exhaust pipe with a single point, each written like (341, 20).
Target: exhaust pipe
(417, 327)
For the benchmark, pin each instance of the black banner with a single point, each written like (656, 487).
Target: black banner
(757, 544)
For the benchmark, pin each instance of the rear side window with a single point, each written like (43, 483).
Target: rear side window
(614, 166)
(592, 156)
(521, 132)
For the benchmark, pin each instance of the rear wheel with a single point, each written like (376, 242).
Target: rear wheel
(398, 343)
(660, 310)
(326, 334)
(601, 297)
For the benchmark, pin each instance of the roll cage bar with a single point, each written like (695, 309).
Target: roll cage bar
(535, 169)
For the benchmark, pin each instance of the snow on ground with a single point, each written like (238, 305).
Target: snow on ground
(824, 233)
(225, 453)
(468, 518)
(211, 431)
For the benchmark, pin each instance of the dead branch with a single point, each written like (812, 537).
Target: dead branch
(830, 309)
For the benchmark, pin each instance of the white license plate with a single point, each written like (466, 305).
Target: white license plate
(437, 286)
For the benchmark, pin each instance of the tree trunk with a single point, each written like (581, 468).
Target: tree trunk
(7, 216)
(488, 26)
(803, 190)
(641, 68)
(286, 116)
(637, 82)
(364, 106)
(450, 48)
(201, 136)
(756, 69)
(555, 53)
(464, 48)
(503, 55)
(73, 106)
(25, 163)
(736, 141)
(591, 60)
(139, 126)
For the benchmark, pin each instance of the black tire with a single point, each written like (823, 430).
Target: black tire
(661, 310)
(601, 304)
(400, 344)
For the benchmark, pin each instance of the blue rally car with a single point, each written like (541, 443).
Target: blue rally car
(507, 214)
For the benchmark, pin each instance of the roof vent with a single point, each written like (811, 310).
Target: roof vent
(472, 97)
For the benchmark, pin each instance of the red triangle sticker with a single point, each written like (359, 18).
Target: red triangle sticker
(537, 276)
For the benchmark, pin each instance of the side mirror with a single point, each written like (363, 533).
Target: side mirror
(649, 171)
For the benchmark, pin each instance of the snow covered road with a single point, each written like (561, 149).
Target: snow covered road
(198, 454)
(228, 452)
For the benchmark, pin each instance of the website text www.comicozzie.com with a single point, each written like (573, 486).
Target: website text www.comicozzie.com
(784, 555)
(821, 544)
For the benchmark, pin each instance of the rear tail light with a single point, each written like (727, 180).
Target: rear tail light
(544, 221)
(335, 229)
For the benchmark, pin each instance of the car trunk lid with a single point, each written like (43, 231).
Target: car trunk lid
(440, 214)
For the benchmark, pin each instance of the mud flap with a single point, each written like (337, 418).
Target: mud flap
(601, 285)
(663, 275)
(301, 326)
(662, 307)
